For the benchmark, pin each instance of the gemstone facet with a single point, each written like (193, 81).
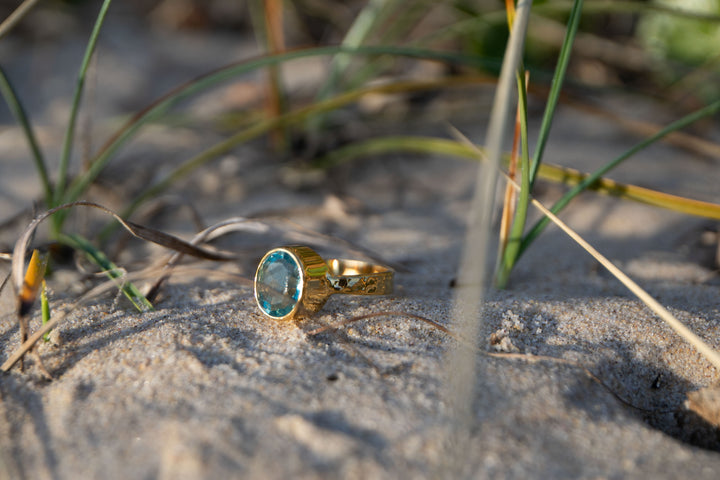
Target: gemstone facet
(278, 284)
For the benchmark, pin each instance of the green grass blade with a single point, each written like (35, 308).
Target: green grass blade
(555, 87)
(509, 255)
(13, 102)
(109, 268)
(562, 203)
(554, 173)
(70, 131)
(44, 308)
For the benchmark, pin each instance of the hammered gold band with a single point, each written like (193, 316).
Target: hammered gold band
(359, 278)
(294, 282)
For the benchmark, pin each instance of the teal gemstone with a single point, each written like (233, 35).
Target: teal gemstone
(278, 284)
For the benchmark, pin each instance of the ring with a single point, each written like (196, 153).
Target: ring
(295, 282)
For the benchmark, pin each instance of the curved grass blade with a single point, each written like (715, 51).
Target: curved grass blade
(13, 102)
(547, 171)
(75, 106)
(139, 231)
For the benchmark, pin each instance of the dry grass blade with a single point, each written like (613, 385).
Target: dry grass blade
(16, 16)
(510, 197)
(706, 350)
(26, 289)
(140, 231)
(167, 270)
(275, 40)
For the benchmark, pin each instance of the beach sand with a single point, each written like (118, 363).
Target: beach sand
(592, 385)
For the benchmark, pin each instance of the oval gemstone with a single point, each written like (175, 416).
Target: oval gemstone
(278, 284)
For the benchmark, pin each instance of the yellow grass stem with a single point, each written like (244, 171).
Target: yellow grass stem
(547, 171)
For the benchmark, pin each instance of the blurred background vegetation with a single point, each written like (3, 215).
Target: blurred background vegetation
(665, 48)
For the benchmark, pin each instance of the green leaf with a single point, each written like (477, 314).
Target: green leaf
(109, 268)
(70, 132)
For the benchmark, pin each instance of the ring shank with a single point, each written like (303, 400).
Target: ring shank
(356, 277)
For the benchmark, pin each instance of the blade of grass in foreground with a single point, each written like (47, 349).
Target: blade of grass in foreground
(461, 361)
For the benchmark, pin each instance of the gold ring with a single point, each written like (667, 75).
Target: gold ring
(295, 282)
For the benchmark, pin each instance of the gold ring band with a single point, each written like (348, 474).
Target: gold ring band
(295, 282)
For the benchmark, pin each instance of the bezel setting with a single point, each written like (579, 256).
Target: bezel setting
(303, 283)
